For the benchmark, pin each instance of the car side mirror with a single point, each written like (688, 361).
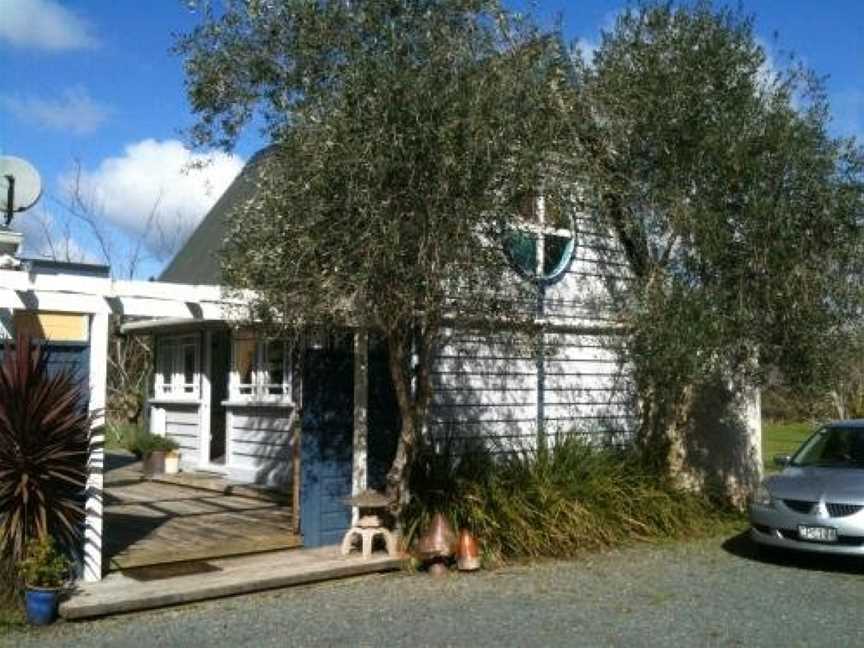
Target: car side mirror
(781, 461)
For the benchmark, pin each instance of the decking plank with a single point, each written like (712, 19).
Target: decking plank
(150, 522)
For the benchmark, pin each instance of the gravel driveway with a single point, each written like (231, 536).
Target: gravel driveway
(706, 593)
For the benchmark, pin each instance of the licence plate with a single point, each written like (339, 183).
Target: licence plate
(817, 534)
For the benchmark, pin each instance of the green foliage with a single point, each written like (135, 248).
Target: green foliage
(11, 609)
(44, 565)
(738, 214)
(406, 135)
(557, 503)
(140, 442)
(120, 434)
(44, 433)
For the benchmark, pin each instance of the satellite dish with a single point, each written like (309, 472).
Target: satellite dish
(20, 186)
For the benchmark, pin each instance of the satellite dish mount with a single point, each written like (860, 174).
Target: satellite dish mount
(20, 187)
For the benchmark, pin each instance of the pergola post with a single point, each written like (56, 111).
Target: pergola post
(93, 508)
(361, 409)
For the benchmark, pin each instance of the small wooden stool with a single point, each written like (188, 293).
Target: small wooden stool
(367, 528)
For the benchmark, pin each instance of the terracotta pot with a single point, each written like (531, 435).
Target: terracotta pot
(153, 463)
(468, 555)
(438, 541)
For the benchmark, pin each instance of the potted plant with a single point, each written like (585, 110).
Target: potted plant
(44, 571)
(152, 449)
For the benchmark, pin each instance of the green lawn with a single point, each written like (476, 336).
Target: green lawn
(782, 438)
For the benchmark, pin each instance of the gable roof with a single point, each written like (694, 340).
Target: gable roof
(197, 262)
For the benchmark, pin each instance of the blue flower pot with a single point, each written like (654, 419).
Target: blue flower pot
(41, 605)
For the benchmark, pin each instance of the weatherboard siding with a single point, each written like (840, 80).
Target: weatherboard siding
(182, 424)
(503, 390)
(489, 388)
(260, 444)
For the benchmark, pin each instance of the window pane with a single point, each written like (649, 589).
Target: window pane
(555, 252)
(189, 367)
(244, 363)
(166, 365)
(274, 355)
(521, 250)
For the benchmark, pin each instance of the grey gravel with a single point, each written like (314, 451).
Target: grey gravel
(710, 593)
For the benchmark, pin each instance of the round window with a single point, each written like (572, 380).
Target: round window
(541, 255)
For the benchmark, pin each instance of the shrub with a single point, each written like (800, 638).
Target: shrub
(142, 442)
(554, 503)
(44, 434)
(43, 564)
(118, 434)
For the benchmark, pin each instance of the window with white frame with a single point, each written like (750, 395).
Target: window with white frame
(177, 366)
(541, 246)
(261, 369)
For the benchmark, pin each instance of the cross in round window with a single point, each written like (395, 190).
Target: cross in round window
(540, 248)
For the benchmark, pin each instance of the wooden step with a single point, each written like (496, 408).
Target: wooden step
(162, 553)
(119, 593)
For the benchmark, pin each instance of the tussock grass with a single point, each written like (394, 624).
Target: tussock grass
(557, 503)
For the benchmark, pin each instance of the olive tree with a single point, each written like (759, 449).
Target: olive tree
(738, 214)
(405, 133)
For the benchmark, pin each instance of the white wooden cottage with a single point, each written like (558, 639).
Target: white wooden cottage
(230, 399)
(320, 419)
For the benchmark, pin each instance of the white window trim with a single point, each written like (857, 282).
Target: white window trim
(260, 386)
(178, 389)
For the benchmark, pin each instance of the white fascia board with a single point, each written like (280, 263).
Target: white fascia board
(59, 302)
(10, 299)
(142, 307)
(161, 290)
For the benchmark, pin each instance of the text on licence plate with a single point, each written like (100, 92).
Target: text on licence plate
(817, 534)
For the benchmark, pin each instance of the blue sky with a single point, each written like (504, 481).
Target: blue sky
(91, 91)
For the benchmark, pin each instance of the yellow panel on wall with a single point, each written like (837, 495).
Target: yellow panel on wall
(57, 327)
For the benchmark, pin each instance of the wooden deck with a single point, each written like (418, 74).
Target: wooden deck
(126, 592)
(154, 522)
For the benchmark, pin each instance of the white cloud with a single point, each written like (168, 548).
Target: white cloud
(158, 190)
(74, 111)
(44, 24)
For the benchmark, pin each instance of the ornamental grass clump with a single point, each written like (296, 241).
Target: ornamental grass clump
(44, 433)
(556, 503)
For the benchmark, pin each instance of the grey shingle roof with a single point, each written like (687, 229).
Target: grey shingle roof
(197, 262)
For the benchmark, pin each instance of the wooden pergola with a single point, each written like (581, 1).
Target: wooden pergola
(99, 298)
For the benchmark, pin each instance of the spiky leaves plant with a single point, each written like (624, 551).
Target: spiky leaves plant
(43, 450)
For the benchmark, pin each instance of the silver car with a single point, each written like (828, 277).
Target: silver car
(817, 502)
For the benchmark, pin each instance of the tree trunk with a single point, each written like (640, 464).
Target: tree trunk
(661, 436)
(399, 473)
(413, 405)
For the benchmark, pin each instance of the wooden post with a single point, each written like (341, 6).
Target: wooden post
(206, 376)
(361, 407)
(93, 524)
(297, 438)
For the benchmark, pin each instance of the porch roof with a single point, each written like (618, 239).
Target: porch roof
(144, 327)
(68, 293)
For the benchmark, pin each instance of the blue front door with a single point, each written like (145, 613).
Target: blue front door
(327, 444)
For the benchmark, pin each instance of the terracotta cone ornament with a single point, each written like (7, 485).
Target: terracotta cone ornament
(467, 553)
(435, 547)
